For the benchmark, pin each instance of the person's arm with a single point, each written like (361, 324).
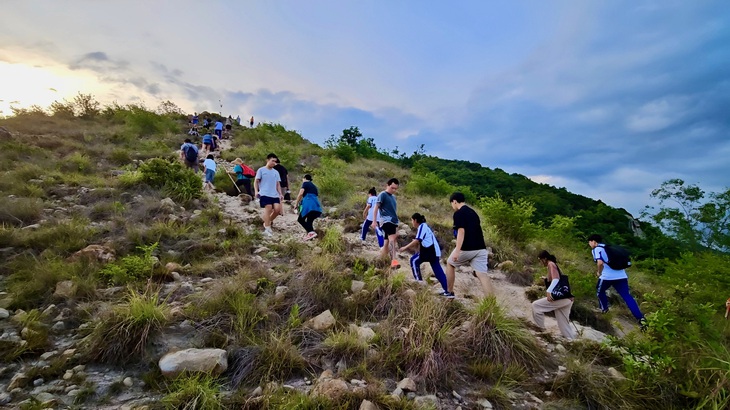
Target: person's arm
(278, 189)
(599, 264)
(410, 245)
(376, 208)
(365, 211)
(459, 242)
(256, 187)
(299, 197)
(554, 277)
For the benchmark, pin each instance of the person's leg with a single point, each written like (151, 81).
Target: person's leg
(539, 308)
(311, 216)
(622, 287)
(416, 267)
(365, 229)
(479, 263)
(303, 222)
(438, 272)
(601, 288)
(275, 211)
(381, 237)
(266, 216)
(247, 186)
(562, 315)
(393, 239)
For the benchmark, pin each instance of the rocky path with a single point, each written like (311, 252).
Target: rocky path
(467, 288)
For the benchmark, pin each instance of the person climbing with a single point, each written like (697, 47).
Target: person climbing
(189, 155)
(470, 247)
(238, 120)
(284, 177)
(428, 251)
(196, 120)
(242, 179)
(208, 145)
(309, 207)
(229, 126)
(561, 307)
(251, 121)
(267, 189)
(209, 168)
(369, 217)
(386, 205)
(608, 277)
(206, 123)
(218, 129)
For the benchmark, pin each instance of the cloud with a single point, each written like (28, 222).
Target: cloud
(98, 61)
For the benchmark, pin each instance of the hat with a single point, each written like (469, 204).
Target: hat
(237, 161)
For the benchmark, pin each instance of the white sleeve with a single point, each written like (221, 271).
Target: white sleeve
(553, 283)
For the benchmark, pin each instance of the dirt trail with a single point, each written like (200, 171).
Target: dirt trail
(467, 288)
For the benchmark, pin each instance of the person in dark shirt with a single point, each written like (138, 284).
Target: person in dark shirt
(470, 248)
(284, 175)
(309, 207)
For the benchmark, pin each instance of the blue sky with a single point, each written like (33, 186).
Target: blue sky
(607, 99)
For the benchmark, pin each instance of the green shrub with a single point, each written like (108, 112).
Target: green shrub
(121, 334)
(429, 184)
(20, 211)
(175, 180)
(331, 179)
(77, 162)
(131, 267)
(33, 279)
(512, 220)
(194, 392)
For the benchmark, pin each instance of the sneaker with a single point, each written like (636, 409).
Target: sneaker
(447, 295)
(643, 325)
(394, 264)
(310, 235)
(268, 232)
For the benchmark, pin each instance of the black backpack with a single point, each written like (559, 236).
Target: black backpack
(618, 257)
(190, 154)
(562, 289)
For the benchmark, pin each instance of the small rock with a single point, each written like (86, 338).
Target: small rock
(364, 334)
(31, 227)
(357, 286)
(548, 393)
(48, 355)
(327, 374)
(397, 393)
(173, 267)
(176, 276)
(128, 382)
(73, 393)
(79, 368)
(68, 375)
(4, 314)
(281, 292)
(206, 280)
(323, 321)
(409, 294)
(410, 395)
(407, 384)
(213, 361)
(20, 380)
(426, 402)
(257, 392)
(486, 404)
(368, 405)
(456, 395)
(5, 398)
(615, 374)
(38, 382)
(559, 348)
(330, 388)
(58, 327)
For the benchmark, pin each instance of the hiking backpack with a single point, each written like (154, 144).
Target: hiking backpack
(248, 171)
(618, 257)
(190, 154)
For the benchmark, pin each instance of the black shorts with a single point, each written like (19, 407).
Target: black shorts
(389, 228)
(264, 201)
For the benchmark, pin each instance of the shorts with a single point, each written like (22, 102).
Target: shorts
(267, 200)
(477, 259)
(209, 175)
(389, 228)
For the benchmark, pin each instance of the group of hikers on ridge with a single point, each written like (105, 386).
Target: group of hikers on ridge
(271, 189)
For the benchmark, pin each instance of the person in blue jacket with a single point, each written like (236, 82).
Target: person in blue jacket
(309, 207)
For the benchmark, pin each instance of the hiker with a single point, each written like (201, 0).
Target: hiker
(218, 129)
(369, 217)
(206, 123)
(229, 126)
(470, 248)
(428, 251)
(209, 167)
(238, 120)
(267, 189)
(309, 207)
(387, 208)
(608, 277)
(561, 307)
(251, 122)
(208, 143)
(243, 176)
(189, 154)
(284, 178)
(195, 121)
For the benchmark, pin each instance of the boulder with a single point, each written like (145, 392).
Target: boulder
(364, 334)
(323, 321)
(407, 384)
(211, 361)
(330, 388)
(368, 405)
(4, 314)
(98, 252)
(506, 265)
(65, 289)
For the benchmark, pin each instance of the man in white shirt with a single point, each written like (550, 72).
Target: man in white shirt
(267, 188)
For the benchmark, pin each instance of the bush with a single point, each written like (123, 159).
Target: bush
(512, 220)
(34, 280)
(194, 392)
(429, 184)
(331, 179)
(176, 181)
(121, 335)
(20, 211)
(131, 267)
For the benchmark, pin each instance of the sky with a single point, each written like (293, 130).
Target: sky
(607, 99)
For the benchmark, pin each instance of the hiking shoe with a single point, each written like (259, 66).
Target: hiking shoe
(268, 232)
(394, 264)
(643, 325)
(310, 235)
(447, 295)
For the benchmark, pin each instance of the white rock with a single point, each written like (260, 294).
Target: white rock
(407, 384)
(212, 361)
(357, 286)
(128, 382)
(368, 405)
(4, 314)
(426, 402)
(364, 334)
(486, 404)
(323, 321)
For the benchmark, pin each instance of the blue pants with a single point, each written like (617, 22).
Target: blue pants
(622, 287)
(364, 233)
(435, 266)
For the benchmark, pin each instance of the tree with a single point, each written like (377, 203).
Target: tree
(86, 106)
(695, 219)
